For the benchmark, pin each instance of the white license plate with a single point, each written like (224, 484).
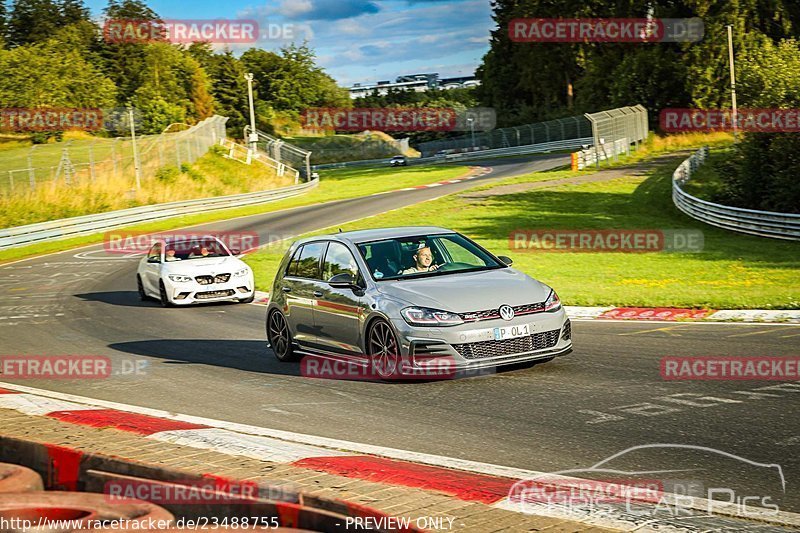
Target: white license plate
(512, 332)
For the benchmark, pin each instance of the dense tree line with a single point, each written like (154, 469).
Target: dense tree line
(528, 82)
(52, 54)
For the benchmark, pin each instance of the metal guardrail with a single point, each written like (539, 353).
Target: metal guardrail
(762, 223)
(567, 144)
(73, 227)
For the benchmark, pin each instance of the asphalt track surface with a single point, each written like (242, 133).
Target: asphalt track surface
(604, 398)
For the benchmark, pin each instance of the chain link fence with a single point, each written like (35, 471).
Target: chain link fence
(338, 149)
(613, 133)
(92, 160)
(540, 132)
(282, 152)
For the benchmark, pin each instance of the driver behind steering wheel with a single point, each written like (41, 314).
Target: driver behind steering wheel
(423, 261)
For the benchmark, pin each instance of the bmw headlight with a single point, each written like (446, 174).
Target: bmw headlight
(178, 278)
(553, 303)
(242, 272)
(422, 316)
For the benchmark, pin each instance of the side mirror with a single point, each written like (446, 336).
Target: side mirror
(236, 252)
(153, 260)
(505, 259)
(342, 281)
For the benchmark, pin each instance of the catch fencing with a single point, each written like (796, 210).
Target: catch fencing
(539, 133)
(280, 151)
(613, 133)
(133, 159)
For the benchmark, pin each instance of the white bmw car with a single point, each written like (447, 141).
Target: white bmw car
(192, 270)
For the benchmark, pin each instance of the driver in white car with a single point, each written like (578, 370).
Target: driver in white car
(423, 261)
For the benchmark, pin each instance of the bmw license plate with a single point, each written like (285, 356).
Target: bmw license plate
(512, 332)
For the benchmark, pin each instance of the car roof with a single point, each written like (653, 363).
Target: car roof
(366, 235)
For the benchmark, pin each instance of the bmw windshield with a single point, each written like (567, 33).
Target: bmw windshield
(424, 256)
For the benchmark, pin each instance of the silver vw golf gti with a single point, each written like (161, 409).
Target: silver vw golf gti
(402, 301)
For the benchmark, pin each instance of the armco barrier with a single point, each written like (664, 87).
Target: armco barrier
(72, 227)
(568, 144)
(762, 223)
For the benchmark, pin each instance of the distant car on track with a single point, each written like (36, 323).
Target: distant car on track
(399, 299)
(398, 161)
(194, 270)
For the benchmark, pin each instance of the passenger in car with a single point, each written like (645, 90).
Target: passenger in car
(169, 255)
(423, 261)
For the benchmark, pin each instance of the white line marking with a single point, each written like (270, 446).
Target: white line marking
(231, 443)
(30, 404)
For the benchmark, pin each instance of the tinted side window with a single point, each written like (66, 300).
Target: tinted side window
(155, 252)
(308, 258)
(339, 260)
(291, 270)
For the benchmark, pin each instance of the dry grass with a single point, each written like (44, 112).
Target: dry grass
(211, 175)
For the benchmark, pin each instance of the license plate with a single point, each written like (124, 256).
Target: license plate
(512, 332)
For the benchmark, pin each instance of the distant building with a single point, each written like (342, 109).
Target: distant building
(415, 82)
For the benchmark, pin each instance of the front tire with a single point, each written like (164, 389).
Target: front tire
(162, 293)
(383, 350)
(280, 338)
(140, 287)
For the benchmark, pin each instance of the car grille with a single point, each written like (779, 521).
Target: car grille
(208, 280)
(567, 333)
(491, 314)
(213, 294)
(531, 343)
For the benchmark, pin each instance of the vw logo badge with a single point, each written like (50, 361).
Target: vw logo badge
(506, 312)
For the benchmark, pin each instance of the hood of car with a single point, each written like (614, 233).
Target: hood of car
(215, 265)
(466, 292)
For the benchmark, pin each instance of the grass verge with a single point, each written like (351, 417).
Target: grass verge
(733, 271)
(335, 185)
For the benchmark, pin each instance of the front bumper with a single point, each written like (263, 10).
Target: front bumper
(188, 293)
(473, 345)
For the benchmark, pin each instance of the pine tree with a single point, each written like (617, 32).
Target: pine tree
(73, 11)
(32, 21)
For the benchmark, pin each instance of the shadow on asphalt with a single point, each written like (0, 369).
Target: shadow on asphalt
(131, 299)
(247, 355)
(254, 356)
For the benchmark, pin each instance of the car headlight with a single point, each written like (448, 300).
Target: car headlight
(242, 272)
(553, 303)
(178, 278)
(422, 316)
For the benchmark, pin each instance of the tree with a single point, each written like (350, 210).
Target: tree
(43, 75)
(229, 89)
(73, 11)
(32, 21)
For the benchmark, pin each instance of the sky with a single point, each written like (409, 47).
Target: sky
(359, 41)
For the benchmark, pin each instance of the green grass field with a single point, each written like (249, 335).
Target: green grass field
(733, 271)
(334, 185)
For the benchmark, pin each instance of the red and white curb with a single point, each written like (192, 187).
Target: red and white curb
(468, 481)
(666, 314)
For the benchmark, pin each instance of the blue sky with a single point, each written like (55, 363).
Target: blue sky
(361, 40)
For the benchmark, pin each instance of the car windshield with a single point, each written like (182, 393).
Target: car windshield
(194, 249)
(424, 256)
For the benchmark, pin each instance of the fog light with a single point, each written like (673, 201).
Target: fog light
(567, 332)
